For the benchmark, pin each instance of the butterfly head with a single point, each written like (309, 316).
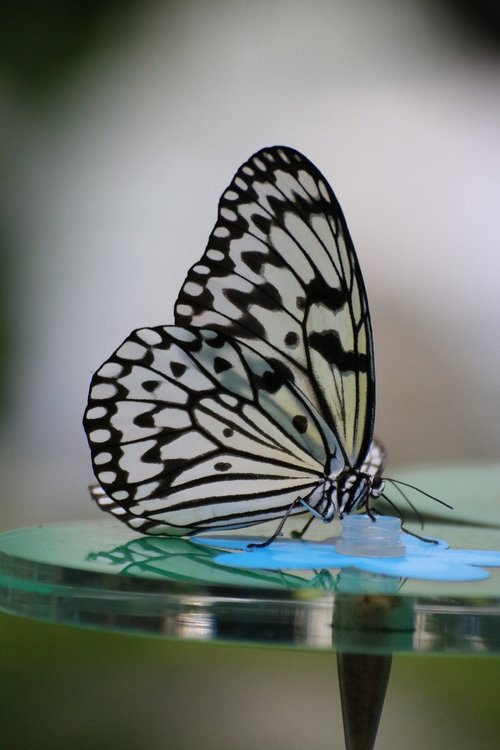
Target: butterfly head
(353, 489)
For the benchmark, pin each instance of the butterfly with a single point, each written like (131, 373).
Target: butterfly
(259, 403)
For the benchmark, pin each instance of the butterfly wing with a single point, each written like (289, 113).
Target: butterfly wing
(280, 272)
(190, 430)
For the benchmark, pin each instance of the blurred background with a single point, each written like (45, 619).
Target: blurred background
(122, 124)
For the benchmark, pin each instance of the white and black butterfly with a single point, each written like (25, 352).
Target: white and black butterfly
(259, 402)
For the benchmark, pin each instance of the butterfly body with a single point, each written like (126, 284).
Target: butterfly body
(259, 403)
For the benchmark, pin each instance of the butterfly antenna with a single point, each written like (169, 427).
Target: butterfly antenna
(393, 506)
(395, 482)
(403, 521)
(405, 496)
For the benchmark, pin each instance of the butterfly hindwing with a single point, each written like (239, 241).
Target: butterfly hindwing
(190, 429)
(280, 272)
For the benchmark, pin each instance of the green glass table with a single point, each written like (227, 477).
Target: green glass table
(100, 574)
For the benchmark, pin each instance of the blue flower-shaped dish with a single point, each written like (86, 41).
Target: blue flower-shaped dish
(425, 560)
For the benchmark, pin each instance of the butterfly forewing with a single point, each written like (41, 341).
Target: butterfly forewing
(190, 429)
(280, 273)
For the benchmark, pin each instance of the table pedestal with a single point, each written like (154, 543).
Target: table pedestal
(363, 680)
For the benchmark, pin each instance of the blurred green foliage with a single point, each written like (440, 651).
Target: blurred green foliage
(40, 44)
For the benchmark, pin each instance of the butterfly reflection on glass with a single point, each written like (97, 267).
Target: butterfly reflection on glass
(259, 403)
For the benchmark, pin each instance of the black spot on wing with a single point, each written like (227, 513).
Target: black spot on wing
(272, 380)
(329, 345)
(150, 385)
(222, 466)
(300, 423)
(292, 340)
(177, 369)
(216, 342)
(318, 291)
(281, 369)
(221, 365)
(254, 260)
(146, 419)
(228, 432)
(264, 295)
(300, 303)
(262, 223)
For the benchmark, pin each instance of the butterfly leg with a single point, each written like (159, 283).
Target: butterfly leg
(371, 513)
(300, 534)
(260, 545)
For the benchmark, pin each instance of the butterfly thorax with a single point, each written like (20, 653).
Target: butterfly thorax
(353, 489)
(343, 493)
